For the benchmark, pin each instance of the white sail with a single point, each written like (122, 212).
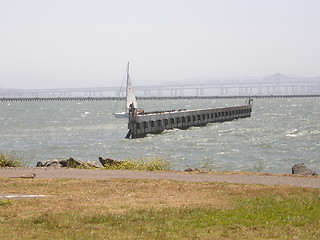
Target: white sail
(130, 97)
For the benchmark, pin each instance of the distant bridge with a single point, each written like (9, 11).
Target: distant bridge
(277, 84)
(90, 99)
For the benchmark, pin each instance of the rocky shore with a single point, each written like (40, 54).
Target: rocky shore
(71, 168)
(299, 169)
(198, 176)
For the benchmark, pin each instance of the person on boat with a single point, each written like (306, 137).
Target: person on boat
(131, 109)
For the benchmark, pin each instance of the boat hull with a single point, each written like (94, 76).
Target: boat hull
(121, 115)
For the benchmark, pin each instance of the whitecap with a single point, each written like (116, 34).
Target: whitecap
(291, 135)
(292, 131)
(221, 153)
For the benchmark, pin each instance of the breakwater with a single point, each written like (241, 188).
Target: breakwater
(141, 125)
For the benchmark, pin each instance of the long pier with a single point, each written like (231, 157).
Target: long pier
(141, 125)
(59, 99)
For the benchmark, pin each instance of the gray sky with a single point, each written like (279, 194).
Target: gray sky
(86, 43)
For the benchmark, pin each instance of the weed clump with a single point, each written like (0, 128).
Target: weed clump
(11, 159)
(146, 164)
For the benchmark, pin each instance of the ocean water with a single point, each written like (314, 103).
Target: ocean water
(279, 134)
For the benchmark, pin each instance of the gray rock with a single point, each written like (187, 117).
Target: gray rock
(190, 170)
(93, 164)
(109, 161)
(49, 163)
(74, 163)
(70, 163)
(301, 169)
(64, 162)
(40, 164)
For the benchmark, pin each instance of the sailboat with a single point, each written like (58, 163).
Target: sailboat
(131, 99)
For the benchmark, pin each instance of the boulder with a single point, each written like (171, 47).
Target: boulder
(301, 169)
(70, 163)
(189, 170)
(93, 164)
(109, 161)
(64, 162)
(192, 170)
(49, 163)
(74, 163)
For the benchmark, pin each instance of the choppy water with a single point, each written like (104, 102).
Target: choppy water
(280, 133)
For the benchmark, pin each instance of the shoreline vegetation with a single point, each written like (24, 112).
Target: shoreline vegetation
(11, 159)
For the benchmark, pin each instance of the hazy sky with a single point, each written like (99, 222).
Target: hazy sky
(86, 43)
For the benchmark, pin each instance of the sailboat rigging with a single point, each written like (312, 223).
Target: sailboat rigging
(131, 100)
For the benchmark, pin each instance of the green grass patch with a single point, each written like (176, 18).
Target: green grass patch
(276, 220)
(158, 209)
(146, 164)
(6, 202)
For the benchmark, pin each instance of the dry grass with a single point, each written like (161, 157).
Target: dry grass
(157, 209)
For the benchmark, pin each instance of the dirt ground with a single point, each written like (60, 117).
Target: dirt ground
(242, 178)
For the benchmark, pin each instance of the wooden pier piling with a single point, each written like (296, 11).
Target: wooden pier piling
(141, 125)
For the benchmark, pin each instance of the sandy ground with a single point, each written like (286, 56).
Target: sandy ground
(267, 179)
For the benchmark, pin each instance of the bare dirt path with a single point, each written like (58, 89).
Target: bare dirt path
(45, 173)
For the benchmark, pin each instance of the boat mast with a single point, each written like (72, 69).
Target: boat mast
(126, 107)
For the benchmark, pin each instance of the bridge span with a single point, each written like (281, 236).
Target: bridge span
(277, 84)
(89, 99)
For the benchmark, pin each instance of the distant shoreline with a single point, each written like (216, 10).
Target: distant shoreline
(50, 99)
